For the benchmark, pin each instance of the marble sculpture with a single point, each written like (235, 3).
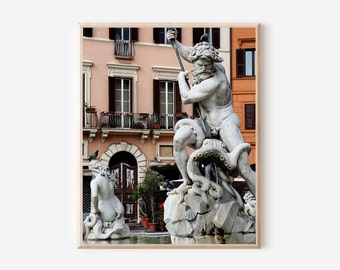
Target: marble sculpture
(206, 208)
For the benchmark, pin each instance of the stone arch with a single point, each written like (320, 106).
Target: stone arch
(132, 149)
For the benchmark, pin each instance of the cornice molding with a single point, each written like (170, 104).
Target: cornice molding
(165, 73)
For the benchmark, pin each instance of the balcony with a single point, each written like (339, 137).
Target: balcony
(123, 120)
(124, 49)
(123, 123)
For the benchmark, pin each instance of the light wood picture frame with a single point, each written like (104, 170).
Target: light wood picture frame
(130, 103)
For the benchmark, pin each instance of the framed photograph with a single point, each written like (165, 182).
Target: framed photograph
(170, 135)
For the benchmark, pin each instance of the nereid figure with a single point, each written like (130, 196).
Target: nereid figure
(106, 220)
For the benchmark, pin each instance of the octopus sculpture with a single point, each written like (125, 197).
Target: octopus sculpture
(209, 206)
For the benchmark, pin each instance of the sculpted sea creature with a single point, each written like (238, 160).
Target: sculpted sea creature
(215, 151)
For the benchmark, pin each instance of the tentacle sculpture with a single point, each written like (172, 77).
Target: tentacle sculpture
(215, 151)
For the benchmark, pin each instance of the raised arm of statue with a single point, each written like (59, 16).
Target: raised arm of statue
(183, 50)
(197, 92)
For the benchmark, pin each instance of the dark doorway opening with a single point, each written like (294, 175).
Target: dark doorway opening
(124, 165)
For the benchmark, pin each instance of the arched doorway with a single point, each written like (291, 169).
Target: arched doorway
(124, 165)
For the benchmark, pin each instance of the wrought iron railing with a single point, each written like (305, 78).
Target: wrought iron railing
(125, 120)
(123, 49)
(90, 119)
(163, 121)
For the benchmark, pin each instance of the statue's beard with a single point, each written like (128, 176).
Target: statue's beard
(200, 76)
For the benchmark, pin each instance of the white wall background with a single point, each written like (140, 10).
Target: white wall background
(300, 135)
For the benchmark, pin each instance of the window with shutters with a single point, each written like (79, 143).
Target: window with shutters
(126, 34)
(124, 39)
(167, 103)
(86, 89)
(245, 62)
(249, 116)
(213, 35)
(120, 102)
(167, 97)
(120, 94)
(159, 35)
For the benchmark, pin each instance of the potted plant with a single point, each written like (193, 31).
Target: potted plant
(156, 121)
(181, 115)
(148, 191)
(89, 108)
(139, 194)
(153, 226)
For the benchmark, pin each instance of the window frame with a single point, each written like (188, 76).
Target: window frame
(129, 71)
(167, 92)
(249, 115)
(214, 34)
(241, 63)
(86, 88)
(165, 74)
(157, 35)
(112, 94)
(156, 96)
(132, 32)
(166, 144)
